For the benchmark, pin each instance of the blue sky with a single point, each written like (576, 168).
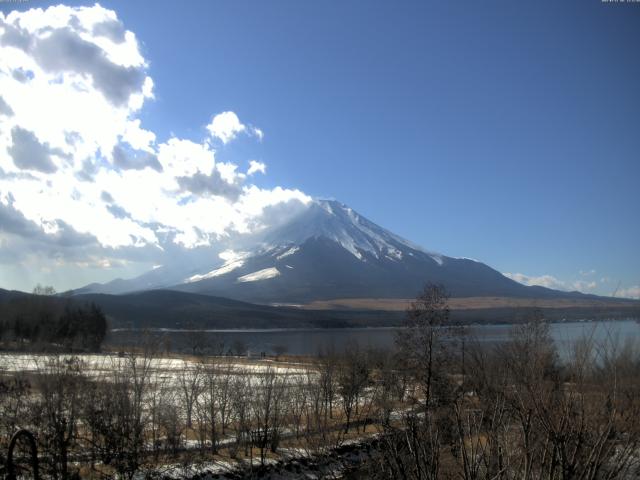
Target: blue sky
(499, 130)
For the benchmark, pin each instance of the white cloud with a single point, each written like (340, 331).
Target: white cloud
(258, 133)
(225, 126)
(77, 165)
(584, 286)
(255, 166)
(548, 281)
(631, 292)
(587, 273)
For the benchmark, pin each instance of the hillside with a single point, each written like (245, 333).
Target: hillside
(326, 252)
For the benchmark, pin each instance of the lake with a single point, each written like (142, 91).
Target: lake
(311, 341)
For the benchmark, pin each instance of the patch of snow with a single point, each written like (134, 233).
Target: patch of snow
(232, 261)
(437, 258)
(348, 243)
(357, 234)
(327, 207)
(263, 274)
(289, 266)
(101, 364)
(394, 254)
(291, 251)
(226, 268)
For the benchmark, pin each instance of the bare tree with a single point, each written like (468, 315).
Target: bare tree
(240, 402)
(388, 384)
(414, 451)
(158, 393)
(210, 398)
(58, 386)
(190, 379)
(15, 392)
(267, 411)
(353, 377)
(44, 290)
(297, 400)
(315, 407)
(421, 340)
(225, 375)
(117, 416)
(328, 366)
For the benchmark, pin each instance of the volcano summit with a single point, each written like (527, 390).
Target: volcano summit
(329, 251)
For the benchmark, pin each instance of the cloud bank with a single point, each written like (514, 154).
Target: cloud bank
(630, 292)
(77, 167)
(585, 284)
(549, 281)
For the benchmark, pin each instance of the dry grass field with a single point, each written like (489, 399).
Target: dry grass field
(467, 303)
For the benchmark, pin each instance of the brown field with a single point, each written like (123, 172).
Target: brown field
(467, 303)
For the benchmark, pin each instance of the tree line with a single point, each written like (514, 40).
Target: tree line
(43, 321)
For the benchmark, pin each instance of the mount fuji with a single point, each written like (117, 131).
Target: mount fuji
(328, 251)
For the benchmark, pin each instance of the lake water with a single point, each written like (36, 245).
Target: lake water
(311, 341)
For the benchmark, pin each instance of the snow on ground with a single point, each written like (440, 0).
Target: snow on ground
(226, 268)
(291, 251)
(177, 470)
(437, 258)
(94, 365)
(263, 274)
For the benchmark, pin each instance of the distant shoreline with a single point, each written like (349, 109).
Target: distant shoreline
(351, 328)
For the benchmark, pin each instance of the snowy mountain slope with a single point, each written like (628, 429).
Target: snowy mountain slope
(330, 251)
(337, 222)
(327, 251)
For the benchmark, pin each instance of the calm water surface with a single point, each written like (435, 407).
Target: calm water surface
(312, 341)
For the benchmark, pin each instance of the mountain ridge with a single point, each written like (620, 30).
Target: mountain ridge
(328, 251)
(170, 309)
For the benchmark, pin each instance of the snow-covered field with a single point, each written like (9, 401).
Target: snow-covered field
(168, 367)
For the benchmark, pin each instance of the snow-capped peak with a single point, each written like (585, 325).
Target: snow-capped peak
(337, 222)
